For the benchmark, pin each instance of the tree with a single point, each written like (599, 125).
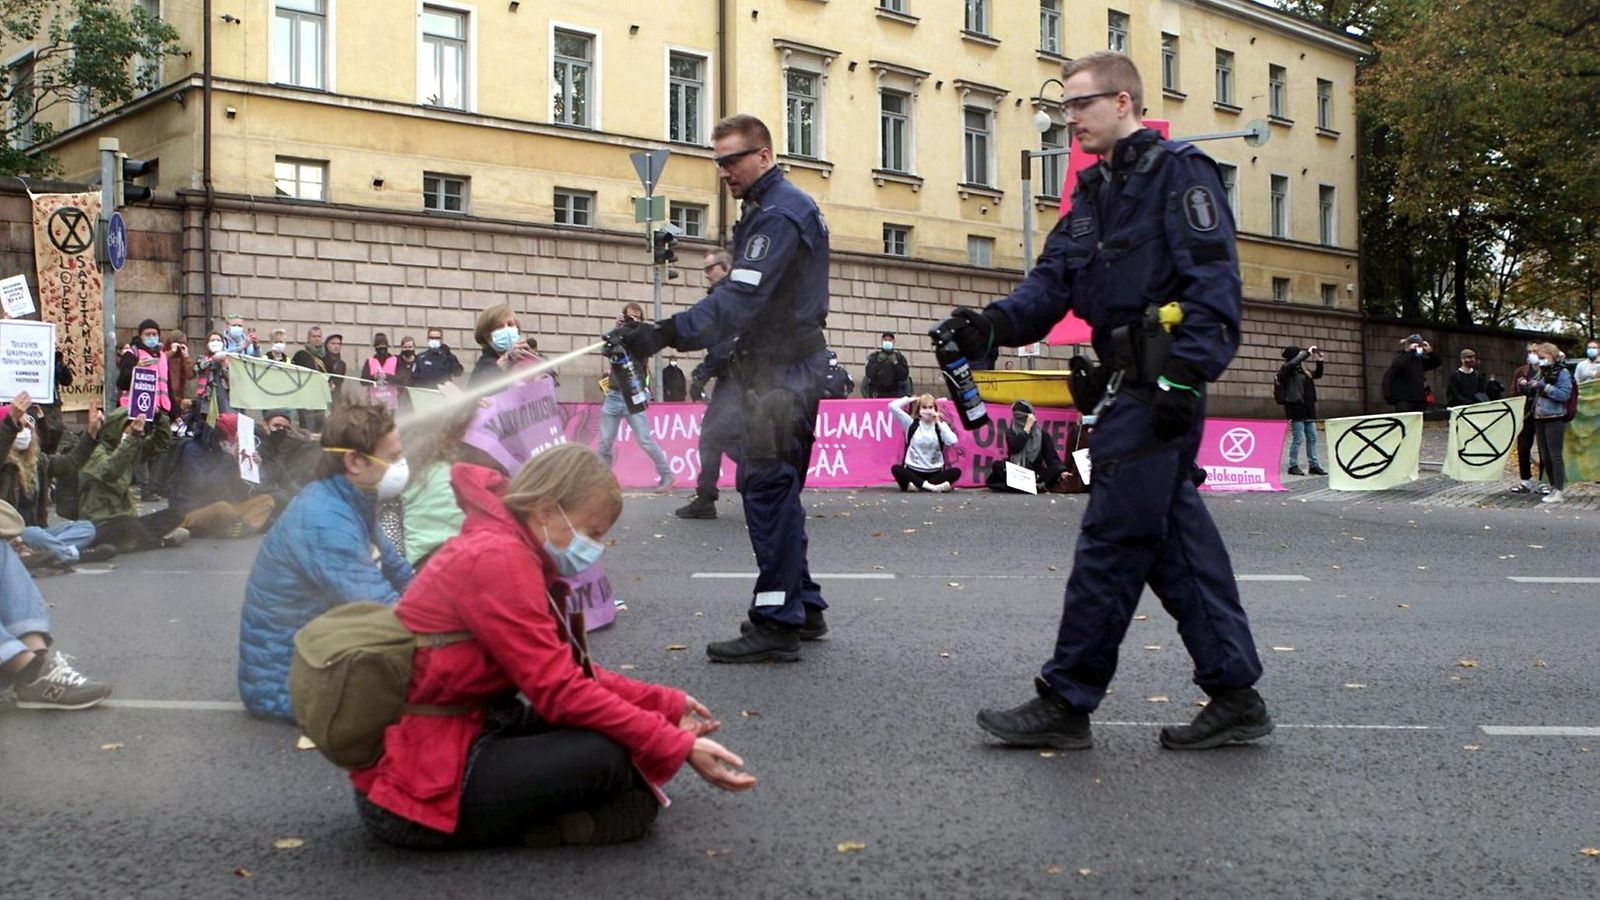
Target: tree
(83, 51)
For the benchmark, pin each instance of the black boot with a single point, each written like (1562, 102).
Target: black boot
(1044, 721)
(815, 626)
(1231, 717)
(763, 643)
(701, 507)
(1317, 470)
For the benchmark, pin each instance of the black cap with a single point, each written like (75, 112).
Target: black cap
(148, 323)
(1022, 406)
(1291, 351)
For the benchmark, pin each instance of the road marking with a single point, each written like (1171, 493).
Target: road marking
(1550, 579)
(1057, 576)
(1316, 727)
(836, 576)
(83, 571)
(197, 705)
(1541, 730)
(1271, 578)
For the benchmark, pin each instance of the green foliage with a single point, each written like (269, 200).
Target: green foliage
(85, 51)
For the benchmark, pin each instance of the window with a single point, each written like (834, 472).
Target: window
(1277, 92)
(146, 71)
(898, 6)
(978, 16)
(300, 179)
(1117, 31)
(1052, 168)
(571, 85)
(574, 208)
(1280, 206)
(1324, 104)
(1050, 26)
(978, 123)
(297, 42)
(1230, 186)
(1225, 77)
(444, 193)
(686, 88)
(1280, 290)
(980, 251)
(801, 113)
(1327, 225)
(689, 217)
(444, 57)
(1330, 295)
(895, 131)
(1169, 62)
(22, 109)
(897, 240)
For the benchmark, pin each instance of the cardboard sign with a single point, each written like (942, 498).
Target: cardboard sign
(142, 391)
(1021, 478)
(1242, 454)
(592, 596)
(519, 423)
(1081, 457)
(249, 459)
(16, 298)
(27, 360)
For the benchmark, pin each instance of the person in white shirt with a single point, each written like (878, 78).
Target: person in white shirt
(1588, 367)
(927, 434)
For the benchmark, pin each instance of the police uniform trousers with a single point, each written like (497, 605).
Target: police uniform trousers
(720, 430)
(1146, 524)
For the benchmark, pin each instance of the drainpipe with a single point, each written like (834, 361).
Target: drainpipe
(722, 111)
(209, 205)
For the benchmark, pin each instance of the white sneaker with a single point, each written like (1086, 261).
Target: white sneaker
(1552, 497)
(940, 488)
(1544, 488)
(177, 537)
(1522, 487)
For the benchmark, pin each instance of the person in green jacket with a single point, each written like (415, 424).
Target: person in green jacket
(431, 513)
(106, 485)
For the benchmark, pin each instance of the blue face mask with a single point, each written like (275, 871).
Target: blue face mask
(1591, 353)
(503, 338)
(580, 553)
(151, 343)
(235, 332)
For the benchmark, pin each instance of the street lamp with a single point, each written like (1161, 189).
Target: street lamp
(1041, 123)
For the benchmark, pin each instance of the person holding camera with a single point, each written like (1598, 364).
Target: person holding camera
(1405, 384)
(1296, 389)
(1550, 387)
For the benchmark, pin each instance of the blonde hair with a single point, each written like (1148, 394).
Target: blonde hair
(1545, 348)
(27, 463)
(489, 321)
(927, 400)
(568, 475)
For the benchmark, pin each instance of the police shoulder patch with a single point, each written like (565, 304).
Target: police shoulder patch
(1200, 208)
(756, 248)
(1081, 225)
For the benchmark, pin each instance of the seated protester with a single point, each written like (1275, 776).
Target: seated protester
(105, 485)
(208, 491)
(574, 762)
(431, 513)
(923, 464)
(320, 553)
(32, 675)
(25, 472)
(289, 458)
(1027, 446)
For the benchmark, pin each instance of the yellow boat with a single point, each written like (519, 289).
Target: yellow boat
(1041, 387)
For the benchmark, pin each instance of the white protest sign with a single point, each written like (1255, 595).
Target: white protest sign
(1033, 349)
(249, 460)
(1021, 478)
(27, 360)
(16, 298)
(1081, 457)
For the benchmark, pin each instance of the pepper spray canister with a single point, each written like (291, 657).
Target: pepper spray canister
(957, 373)
(626, 377)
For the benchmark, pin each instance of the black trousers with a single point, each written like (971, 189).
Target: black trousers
(905, 476)
(130, 534)
(1525, 448)
(1552, 435)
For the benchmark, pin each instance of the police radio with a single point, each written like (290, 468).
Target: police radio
(958, 377)
(626, 377)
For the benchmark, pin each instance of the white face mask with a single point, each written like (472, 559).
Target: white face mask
(214, 346)
(434, 343)
(833, 362)
(24, 440)
(278, 346)
(887, 345)
(394, 479)
(1533, 359)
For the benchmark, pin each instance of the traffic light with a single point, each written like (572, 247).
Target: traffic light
(126, 192)
(663, 241)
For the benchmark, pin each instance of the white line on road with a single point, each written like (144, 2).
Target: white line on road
(1318, 727)
(1550, 579)
(198, 705)
(837, 576)
(1271, 578)
(1541, 730)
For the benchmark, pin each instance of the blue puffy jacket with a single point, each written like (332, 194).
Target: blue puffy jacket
(317, 556)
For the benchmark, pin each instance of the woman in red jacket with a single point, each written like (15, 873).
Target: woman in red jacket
(579, 761)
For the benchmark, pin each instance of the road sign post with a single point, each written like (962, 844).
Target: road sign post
(649, 163)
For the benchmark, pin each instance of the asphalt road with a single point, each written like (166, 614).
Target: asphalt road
(1392, 633)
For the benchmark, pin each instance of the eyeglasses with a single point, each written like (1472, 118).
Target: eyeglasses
(1076, 105)
(711, 268)
(723, 162)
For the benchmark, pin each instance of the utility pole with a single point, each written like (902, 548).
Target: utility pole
(110, 169)
(649, 163)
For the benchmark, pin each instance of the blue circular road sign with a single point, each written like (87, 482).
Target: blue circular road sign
(117, 242)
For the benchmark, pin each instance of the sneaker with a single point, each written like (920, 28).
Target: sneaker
(1552, 497)
(97, 553)
(1295, 470)
(941, 487)
(60, 686)
(1544, 488)
(1232, 717)
(814, 628)
(1317, 470)
(1522, 487)
(177, 537)
(665, 484)
(1044, 721)
(701, 507)
(764, 643)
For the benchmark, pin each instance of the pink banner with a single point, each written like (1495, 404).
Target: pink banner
(1243, 454)
(517, 424)
(592, 596)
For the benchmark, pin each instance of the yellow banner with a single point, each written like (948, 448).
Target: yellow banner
(69, 290)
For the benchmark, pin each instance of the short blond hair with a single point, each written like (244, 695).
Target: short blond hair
(568, 475)
(489, 321)
(927, 400)
(1112, 71)
(1545, 348)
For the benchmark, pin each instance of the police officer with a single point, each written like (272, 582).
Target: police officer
(837, 384)
(775, 302)
(723, 422)
(1147, 225)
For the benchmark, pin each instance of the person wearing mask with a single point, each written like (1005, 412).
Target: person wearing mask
(279, 351)
(1027, 445)
(207, 490)
(179, 370)
(577, 760)
(289, 458)
(320, 552)
(722, 424)
(1526, 438)
(436, 364)
(25, 474)
(1405, 384)
(333, 360)
(33, 674)
(309, 356)
(239, 340)
(146, 352)
(105, 485)
(382, 369)
(837, 384)
(500, 338)
(923, 465)
(1467, 383)
(614, 408)
(674, 386)
(1550, 387)
(888, 373)
(211, 379)
(1588, 368)
(1296, 389)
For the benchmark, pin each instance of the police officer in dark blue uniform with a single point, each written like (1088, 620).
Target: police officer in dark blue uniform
(1148, 225)
(775, 302)
(837, 384)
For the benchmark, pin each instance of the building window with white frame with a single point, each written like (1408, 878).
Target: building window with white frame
(802, 111)
(898, 6)
(978, 124)
(574, 208)
(897, 240)
(1117, 31)
(1330, 295)
(1229, 173)
(572, 82)
(1050, 26)
(690, 218)
(1324, 104)
(1278, 91)
(1327, 224)
(980, 251)
(895, 131)
(977, 20)
(444, 193)
(300, 179)
(1225, 77)
(1280, 206)
(298, 29)
(1169, 62)
(444, 57)
(686, 86)
(1052, 169)
(1280, 290)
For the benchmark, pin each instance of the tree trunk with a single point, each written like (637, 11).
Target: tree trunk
(1463, 312)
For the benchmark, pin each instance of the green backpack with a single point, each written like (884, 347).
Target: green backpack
(348, 679)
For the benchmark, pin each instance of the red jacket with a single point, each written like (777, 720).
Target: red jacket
(491, 580)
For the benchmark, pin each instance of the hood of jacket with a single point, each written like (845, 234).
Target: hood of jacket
(110, 434)
(478, 491)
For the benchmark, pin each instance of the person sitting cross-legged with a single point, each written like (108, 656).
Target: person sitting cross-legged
(33, 674)
(25, 474)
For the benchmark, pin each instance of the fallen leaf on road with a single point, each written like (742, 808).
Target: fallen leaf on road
(677, 647)
(1468, 664)
(1589, 851)
(1053, 569)
(1333, 567)
(750, 713)
(1355, 686)
(305, 743)
(713, 854)
(1284, 649)
(113, 746)
(1403, 605)
(1140, 618)
(954, 584)
(699, 615)
(1053, 870)
(1159, 698)
(1152, 646)
(1540, 664)
(288, 843)
(1472, 747)
(1355, 538)
(1086, 872)
(1535, 546)
(1202, 703)
(242, 873)
(627, 667)
(1047, 754)
(944, 654)
(660, 536)
(1422, 568)
(851, 846)
(876, 533)
(908, 531)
